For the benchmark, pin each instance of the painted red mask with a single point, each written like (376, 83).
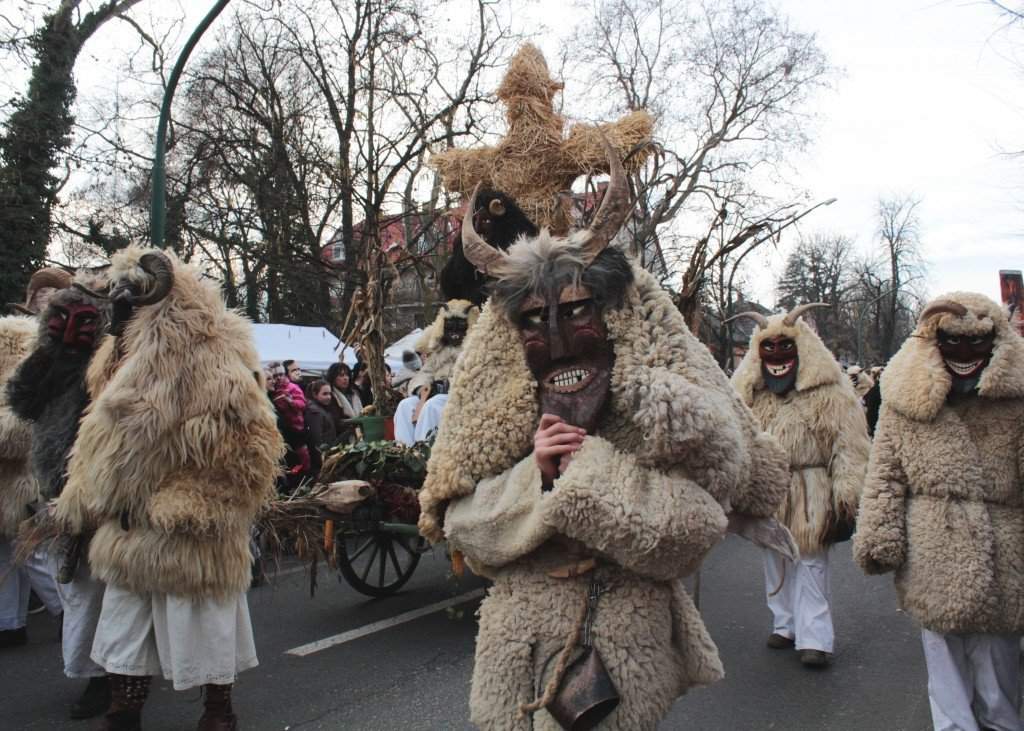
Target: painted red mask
(965, 357)
(779, 363)
(568, 351)
(74, 326)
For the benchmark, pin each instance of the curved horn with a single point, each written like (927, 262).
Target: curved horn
(159, 266)
(614, 208)
(790, 319)
(480, 254)
(761, 320)
(942, 307)
(496, 207)
(50, 277)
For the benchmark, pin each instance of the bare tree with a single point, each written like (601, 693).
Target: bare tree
(729, 84)
(899, 230)
(38, 131)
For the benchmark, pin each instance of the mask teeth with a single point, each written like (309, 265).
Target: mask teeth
(779, 370)
(963, 369)
(569, 377)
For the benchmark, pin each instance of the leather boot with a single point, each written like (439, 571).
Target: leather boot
(217, 713)
(127, 696)
(95, 699)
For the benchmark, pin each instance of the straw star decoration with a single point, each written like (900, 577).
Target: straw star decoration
(535, 161)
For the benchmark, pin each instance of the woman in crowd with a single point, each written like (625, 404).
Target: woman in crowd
(319, 421)
(345, 400)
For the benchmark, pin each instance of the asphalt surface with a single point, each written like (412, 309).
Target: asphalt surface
(415, 675)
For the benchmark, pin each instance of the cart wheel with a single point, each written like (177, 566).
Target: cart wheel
(378, 563)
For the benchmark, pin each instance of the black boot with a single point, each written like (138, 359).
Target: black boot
(95, 699)
(127, 696)
(217, 713)
(13, 637)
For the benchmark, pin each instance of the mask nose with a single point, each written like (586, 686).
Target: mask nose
(556, 340)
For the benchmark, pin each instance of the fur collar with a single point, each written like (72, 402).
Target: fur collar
(915, 382)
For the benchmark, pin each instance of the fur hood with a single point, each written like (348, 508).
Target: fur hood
(915, 383)
(817, 367)
(670, 405)
(17, 488)
(180, 443)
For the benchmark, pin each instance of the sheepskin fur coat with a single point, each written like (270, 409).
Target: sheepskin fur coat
(18, 489)
(646, 496)
(178, 449)
(943, 505)
(820, 423)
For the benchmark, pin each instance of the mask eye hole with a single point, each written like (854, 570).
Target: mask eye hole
(952, 340)
(533, 318)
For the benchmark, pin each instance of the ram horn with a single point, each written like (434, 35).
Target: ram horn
(496, 207)
(159, 266)
(487, 259)
(50, 277)
(942, 307)
(757, 317)
(790, 319)
(614, 208)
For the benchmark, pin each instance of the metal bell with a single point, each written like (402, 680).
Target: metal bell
(586, 695)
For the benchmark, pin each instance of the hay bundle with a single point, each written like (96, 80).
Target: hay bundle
(534, 162)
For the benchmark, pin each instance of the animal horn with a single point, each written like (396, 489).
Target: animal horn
(49, 277)
(496, 207)
(159, 266)
(483, 256)
(942, 307)
(761, 320)
(614, 208)
(790, 319)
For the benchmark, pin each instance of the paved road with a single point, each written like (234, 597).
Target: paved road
(415, 675)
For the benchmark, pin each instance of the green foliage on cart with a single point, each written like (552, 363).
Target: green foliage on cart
(377, 461)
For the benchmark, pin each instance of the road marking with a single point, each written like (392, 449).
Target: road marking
(354, 634)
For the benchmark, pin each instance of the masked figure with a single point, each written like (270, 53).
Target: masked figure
(18, 489)
(175, 456)
(800, 395)
(48, 391)
(943, 505)
(589, 456)
(418, 416)
(861, 380)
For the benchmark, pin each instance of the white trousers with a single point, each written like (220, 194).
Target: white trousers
(191, 641)
(973, 681)
(18, 581)
(800, 609)
(429, 419)
(82, 598)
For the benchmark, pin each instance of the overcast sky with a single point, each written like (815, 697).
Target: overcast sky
(929, 97)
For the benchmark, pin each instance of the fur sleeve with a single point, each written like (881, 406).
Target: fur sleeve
(654, 523)
(880, 544)
(769, 478)
(849, 455)
(502, 520)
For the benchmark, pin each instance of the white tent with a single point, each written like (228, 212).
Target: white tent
(315, 348)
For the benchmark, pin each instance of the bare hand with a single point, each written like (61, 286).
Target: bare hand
(553, 444)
